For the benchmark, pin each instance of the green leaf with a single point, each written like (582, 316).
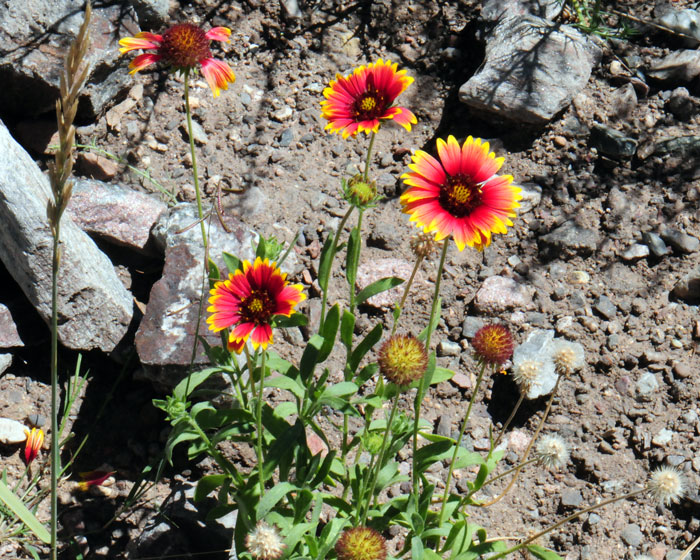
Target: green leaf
(275, 363)
(21, 511)
(329, 332)
(286, 383)
(214, 274)
(353, 257)
(417, 548)
(195, 379)
(272, 497)
(347, 327)
(340, 389)
(324, 266)
(431, 555)
(378, 287)
(232, 263)
(543, 553)
(309, 358)
(207, 484)
(431, 453)
(294, 320)
(365, 346)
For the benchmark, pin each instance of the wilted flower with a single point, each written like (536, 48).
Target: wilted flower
(183, 47)
(264, 542)
(361, 543)
(493, 345)
(35, 439)
(360, 101)
(93, 478)
(533, 367)
(666, 485)
(568, 356)
(403, 359)
(552, 451)
(423, 244)
(460, 195)
(248, 300)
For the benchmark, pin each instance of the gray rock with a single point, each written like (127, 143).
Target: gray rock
(498, 294)
(152, 13)
(5, 362)
(495, 10)
(688, 288)
(680, 67)
(166, 333)
(681, 242)
(444, 427)
(120, 215)
(532, 196)
(569, 240)
(646, 384)
(605, 307)
(662, 438)
(632, 535)
(635, 252)
(656, 244)
(686, 21)
(681, 146)
(448, 348)
(624, 101)
(94, 308)
(682, 370)
(523, 78)
(9, 337)
(611, 142)
(286, 138)
(11, 431)
(682, 105)
(198, 133)
(35, 36)
(571, 498)
(471, 325)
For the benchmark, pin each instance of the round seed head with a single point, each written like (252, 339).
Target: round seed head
(423, 244)
(526, 373)
(666, 485)
(552, 451)
(361, 543)
(403, 359)
(568, 356)
(264, 542)
(493, 345)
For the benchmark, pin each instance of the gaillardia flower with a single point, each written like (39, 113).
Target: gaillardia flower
(35, 439)
(493, 345)
(360, 101)
(403, 359)
(460, 195)
(361, 543)
(183, 47)
(248, 300)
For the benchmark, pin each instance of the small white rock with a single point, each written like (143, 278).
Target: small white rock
(11, 431)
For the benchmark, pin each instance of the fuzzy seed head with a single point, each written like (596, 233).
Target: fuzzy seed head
(423, 244)
(526, 373)
(264, 542)
(552, 452)
(403, 359)
(184, 46)
(493, 345)
(361, 543)
(568, 356)
(666, 486)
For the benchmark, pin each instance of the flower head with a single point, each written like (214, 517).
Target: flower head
(35, 439)
(264, 542)
(493, 345)
(552, 451)
(460, 195)
(93, 478)
(568, 356)
(248, 300)
(183, 47)
(361, 543)
(666, 485)
(403, 359)
(423, 244)
(360, 193)
(360, 101)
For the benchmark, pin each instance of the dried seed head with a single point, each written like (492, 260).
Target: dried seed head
(666, 486)
(403, 359)
(493, 345)
(568, 356)
(552, 452)
(423, 244)
(527, 373)
(361, 543)
(264, 542)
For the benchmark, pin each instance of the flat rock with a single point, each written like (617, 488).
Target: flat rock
(531, 197)
(685, 21)
(680, 67)
(117, 214)
(498, 294)
(35, 35)
(369, 272)
(523, 78)
(152, 13)
(9, 337)
(635, 252)
(569, 240)
(681, 242)
(494, 10)
(94, 308)
(688, 287)
(5, 362)
(611, 142)
(11, 431)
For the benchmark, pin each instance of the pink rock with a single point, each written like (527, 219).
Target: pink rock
(9, 337)
(372, 270)
(96, 166)
(462, 381)
(316, 444)
(498, 294)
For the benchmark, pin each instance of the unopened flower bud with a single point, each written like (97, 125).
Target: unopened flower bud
(423, 244)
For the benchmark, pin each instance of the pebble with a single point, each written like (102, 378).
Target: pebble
(531, 197)
(448, 348)
(605, 307)
(635, 252)
(36, 420)
(470, 325)
(662, 438)
(656, 244)
(286, 138)
(612, 143)
(11, 431)
(444, 427)
(200, 137)
(647, 384)
(681, 242)
(5, 362)
(632, 535)
(571, 498)
(283, 114)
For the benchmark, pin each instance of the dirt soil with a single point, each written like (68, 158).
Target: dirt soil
(288, 172)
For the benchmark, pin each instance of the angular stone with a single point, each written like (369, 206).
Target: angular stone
(523, 78)
(532, 195)
(635, 252)
(11, 431)
(605, 307)
(494, 10)
(655, 244)
(5, 362)
(688, 288)
(498, 294)
(680, 67)
(166, 333)
(120, 215)
(96, 166)
(569, 240)
(9, 337)
(681, 242)
(371, 271)
(612, 143)
(681, 146)
(94, 308)
(685, 21)
(152, 13)
(35, 35)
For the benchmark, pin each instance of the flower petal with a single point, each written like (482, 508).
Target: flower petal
(219, 34)
(142, 61)
(218, 74)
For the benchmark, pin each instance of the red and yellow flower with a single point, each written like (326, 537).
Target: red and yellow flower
(247, 301)
(460, 195)
(35, 440)
(183, 47)
(360, 101)
(93, 478)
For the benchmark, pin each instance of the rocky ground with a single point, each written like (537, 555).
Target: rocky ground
(603, 136)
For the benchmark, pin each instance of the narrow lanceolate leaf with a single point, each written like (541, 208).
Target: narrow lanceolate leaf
(21, 511)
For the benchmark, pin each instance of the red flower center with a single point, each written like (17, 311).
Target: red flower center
(371, 104)
(184, 46)
(460, 195)
(257, 307)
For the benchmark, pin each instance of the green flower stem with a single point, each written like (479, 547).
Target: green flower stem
(529, 446)
(500, 476)
(259, 426)
(407, 288)
(334, 248)
(365, 175)
(55, 466)
(422, 388)
(566, 520)
(249, 361)
(510, 419)
(356, 261)
(450, 470)
(378, 467)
